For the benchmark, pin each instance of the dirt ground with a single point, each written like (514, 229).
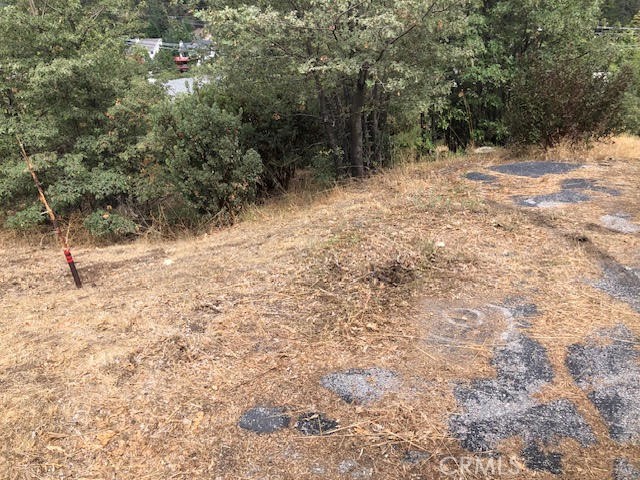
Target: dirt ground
(471, 300)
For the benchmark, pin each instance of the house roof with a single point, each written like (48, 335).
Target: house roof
(183, 85)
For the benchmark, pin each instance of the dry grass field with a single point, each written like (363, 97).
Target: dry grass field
(145, 372)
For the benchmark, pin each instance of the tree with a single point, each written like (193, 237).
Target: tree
(519, 36)
(64, 75)
(352, 60)
(620, 11)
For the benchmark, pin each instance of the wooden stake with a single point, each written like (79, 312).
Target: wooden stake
(52, 215)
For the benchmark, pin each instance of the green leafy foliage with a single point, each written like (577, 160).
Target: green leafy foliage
(199, 145)
(350, 64)
(524, 42)
(25, 219)
(620, 11)
(335, 86)
(109, 225)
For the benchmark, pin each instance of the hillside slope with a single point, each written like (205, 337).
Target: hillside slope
(456, 317)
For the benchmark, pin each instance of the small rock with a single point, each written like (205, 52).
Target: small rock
(484, 150)
(315, 424)
(317, 470)
(264, 419)
(347, 466)
(416, 456)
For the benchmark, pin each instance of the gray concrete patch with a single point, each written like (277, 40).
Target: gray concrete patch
(619, 223)
(262, 419)
(361, 386)
(588, 184)
(535, 169)
(520, 308)
(497, 409)
(480, 177)
(313, 423)
(610, 374)
(624, 470)
(552, 199)
(522, 364)
(452, 325)
(622, 283)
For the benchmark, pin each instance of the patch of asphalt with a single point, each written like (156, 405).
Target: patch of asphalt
(610, 375)
(261, 419)
(480, 177)
(619, 223)
(521, 310)
(624, 470)
(588, 184)
(536, 459)
(535, 169)
(552, 199)
(313, 423)
(501, 408)
(621, 282)
(361, 386)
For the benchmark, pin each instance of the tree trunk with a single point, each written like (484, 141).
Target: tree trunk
(329, 126)
(356, 130)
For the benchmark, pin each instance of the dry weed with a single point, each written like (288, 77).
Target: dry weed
(145, 372)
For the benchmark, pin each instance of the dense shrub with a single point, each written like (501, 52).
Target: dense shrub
(199, 146)
(26, 218)
(568, 97)
(110, 225)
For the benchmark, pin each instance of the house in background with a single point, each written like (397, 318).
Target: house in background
(181, 86)
(152, 45)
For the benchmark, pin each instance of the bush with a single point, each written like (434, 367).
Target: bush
(198, 143)
(277, 123)
(566, 97)
(324, 168)
(109, 225)
(25, 219)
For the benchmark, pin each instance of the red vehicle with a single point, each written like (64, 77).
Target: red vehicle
(182, 63)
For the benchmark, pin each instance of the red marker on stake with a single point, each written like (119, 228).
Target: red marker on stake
(52, 216)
